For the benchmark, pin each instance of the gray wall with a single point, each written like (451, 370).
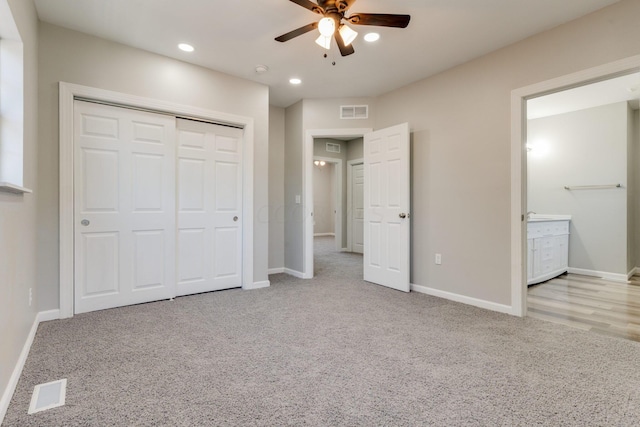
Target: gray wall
(632, 189)
(461, 168)
(18, 225)
(324, 199)
(355, 149)
(586, 147)
(636, 177)
(276, 187)
(73, 57)
(293, 224)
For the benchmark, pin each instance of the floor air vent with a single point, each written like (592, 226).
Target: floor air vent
(354, 111)
(47, 396)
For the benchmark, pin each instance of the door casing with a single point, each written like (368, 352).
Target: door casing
(519, 99)
(307, 185)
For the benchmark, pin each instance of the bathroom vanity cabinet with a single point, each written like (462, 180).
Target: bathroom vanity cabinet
(548, 247)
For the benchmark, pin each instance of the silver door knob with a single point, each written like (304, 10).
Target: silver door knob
(235, 218)
(403, 215)
(85, 222)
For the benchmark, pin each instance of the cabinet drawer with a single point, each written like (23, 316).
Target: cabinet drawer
(547, 228)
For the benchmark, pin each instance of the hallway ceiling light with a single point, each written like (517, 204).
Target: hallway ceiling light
(186, 47)
(319, 162)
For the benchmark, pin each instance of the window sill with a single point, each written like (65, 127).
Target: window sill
(6, 187)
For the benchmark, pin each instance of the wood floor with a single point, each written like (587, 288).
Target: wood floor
(588, 303)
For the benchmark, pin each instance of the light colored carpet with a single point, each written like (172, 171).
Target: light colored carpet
(329, 351)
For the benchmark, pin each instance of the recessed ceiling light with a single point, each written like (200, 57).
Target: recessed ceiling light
(185, 47)
(371, 37)
(295, 81)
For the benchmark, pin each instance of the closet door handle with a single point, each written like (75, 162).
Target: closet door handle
(235, 218)
(403, 215)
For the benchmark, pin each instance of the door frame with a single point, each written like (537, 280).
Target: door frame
(337, 171)
(68, 93)
(307, 186)
(350, 165)
(519, 99)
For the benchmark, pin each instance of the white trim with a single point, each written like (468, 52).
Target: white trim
(258, 285)
(350, 165)
(67, 93)
(7, 187)
(344, 250)
(324, 234)
(277, 270)
(633, 272)
(307, 187)
(488, 305)
(45, 316)
(337, 216)
(294, 273)
(17, 370)
(614, 277)
(519, 166)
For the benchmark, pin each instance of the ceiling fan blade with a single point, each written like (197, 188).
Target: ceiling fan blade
(380, 19)
(309, 5)
(343, 5)
(344, 50)
(297, 32)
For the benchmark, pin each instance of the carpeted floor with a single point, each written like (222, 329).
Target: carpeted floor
(329, 351)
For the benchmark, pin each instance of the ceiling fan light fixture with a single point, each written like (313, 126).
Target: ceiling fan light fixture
(327, 26)
(323, 41)
(348, 35)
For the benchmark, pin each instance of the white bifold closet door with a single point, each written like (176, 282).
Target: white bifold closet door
(124, 213)
(209, 207)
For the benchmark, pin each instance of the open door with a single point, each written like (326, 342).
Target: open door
(386, 207)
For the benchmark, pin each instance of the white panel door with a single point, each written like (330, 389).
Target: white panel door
(124, 206)
(357, 209)
(386, 207)
(209, 207)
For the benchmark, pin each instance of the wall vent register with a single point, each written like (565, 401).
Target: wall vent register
(332, 147)
(354, 111)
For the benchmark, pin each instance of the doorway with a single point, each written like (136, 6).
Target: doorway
(308, 165)
(519, 176)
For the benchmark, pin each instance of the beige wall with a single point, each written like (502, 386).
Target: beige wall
(18, 262)
(460, 123)
(355, 149)
(276, 187)
(584, 147)
(78, 58)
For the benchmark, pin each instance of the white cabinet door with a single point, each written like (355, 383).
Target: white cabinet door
(124, 206)
(386, 207)
(209, 207)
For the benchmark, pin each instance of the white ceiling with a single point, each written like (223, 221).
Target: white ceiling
(624, 88)
(234, 36)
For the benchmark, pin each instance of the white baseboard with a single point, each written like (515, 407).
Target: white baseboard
(17, 371)
(42, 316)
(324, 234)
(633, 271)
(258, 285)
(488, 305)
(614, 277)
(275, 270)
(45, 316)
(294, 273)
(344, 250)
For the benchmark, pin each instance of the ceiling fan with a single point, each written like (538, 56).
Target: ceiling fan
(333, 12)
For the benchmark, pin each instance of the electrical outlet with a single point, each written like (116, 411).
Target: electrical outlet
(30, 296)
(438, 259)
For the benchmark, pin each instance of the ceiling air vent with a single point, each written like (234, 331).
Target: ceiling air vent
(333, 148)
(354, 111)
